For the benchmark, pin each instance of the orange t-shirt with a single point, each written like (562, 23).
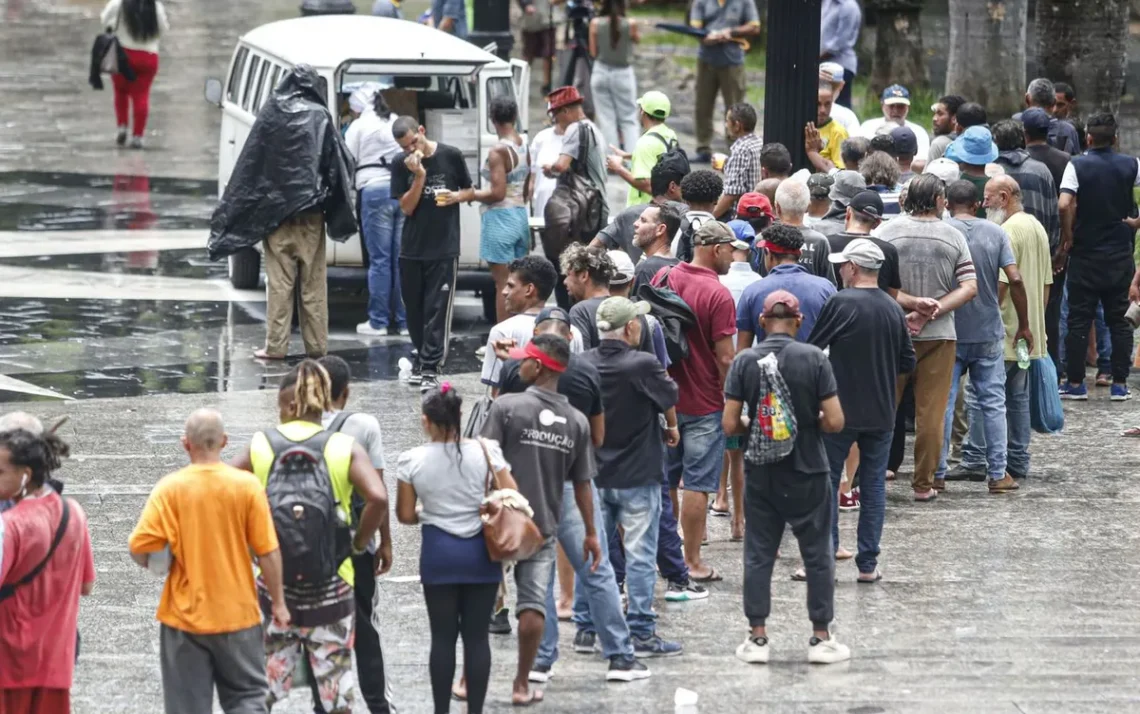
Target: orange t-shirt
(211, 516)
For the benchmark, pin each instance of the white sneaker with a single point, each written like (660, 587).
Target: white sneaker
(827, 651)
(754, 650)
(405, 332)
(366, 328)
(481, 352)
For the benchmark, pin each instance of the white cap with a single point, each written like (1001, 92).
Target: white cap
(625, 269)
(861, 252)
(944, 169)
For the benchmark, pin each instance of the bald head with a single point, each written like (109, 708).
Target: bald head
(1002, 198)
(205, 432)
(21, 420)
(768, 187)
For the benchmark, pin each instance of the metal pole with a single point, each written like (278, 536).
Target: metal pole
(792, 79)
(492, 23)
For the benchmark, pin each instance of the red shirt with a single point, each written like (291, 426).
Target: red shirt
(38, 623)
(698, 377)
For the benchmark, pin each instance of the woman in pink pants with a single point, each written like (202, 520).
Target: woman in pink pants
(138, 24)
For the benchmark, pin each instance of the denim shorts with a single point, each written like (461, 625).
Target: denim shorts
(697, 460)
(505, 235)
(532, 577)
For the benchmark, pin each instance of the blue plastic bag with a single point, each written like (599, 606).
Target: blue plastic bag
(1046, 414)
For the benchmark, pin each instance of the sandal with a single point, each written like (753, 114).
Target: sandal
(875, 577)
(720, 513)
(1104, 380)
(712, 577)
(800, 575)
(1134, 431)
(458, 693)
(264, 354)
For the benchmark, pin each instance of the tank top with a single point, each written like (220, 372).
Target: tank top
(608, 54)
(517, 171)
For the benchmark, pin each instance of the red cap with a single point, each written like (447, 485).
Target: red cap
(532, 351)
(563, 97)
(781, 297)
(754, 205)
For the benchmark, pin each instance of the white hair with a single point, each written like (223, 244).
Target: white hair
(793, 198)
(617, 334)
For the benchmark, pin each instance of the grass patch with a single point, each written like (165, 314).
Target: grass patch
(867, 103)
(672, 13)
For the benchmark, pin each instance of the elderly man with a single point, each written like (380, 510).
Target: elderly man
(792, 200)
(895, 102)
(1042, 94)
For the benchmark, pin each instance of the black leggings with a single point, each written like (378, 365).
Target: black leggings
(463, 608)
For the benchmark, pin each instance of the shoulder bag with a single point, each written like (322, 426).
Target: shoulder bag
(510, 534)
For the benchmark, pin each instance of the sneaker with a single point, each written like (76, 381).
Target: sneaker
(500, 622)
(827, 651)
(366, 328)
(1075, 392)
(428, 382)
(654, 646)
(1004, 485)
(481, 352)
(962, 472)
(585, 642)
(849, 501)
(1120, 393)
(541, 673)
(701, 157)
(404, 332)
(686, 591)
(136, 142)
(753, 650)
(626, 669)
(121, 137)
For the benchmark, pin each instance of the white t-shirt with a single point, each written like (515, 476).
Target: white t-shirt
(519, 328)
(450, 481)
(1070, 183)
(544, 151)
(846, 118)
(369, 139)
(871, 127)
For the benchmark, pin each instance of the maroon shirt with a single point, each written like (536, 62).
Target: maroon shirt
(698, 376)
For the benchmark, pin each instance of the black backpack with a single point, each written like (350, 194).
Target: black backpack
(576, 210)
(314, 541)
(674, 157)
(674, 314)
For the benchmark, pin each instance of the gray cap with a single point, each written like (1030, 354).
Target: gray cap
(847, 184)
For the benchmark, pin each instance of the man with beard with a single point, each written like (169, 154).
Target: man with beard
(653, 234)
(895, 102)
(944, 124)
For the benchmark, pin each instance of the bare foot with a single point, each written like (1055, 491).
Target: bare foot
(565, 611)
(737, 531)
(843, 554)
(459, 690)
(525, 697)
(264, 354)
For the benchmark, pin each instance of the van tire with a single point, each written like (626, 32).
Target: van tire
(490, 313)
(245, 269)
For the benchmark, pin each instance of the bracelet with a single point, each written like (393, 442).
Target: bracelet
(670, 426)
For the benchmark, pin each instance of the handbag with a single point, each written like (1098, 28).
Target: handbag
(510, 534)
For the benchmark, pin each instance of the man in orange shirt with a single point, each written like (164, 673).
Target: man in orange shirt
(211, 516)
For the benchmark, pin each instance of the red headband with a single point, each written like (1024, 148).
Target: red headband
(778, 249)
(532, 351)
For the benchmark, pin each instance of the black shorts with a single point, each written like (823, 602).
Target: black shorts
(538, 44)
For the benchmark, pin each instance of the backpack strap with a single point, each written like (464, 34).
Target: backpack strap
(9, 590)
(670, 144)
(338, 421)
(663, 282)
(280, 444)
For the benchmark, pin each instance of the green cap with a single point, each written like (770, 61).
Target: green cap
(655, 104)
(615, 312)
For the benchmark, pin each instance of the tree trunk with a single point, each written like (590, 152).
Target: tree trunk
(1083, 42)
(987, 53)
(899, 56)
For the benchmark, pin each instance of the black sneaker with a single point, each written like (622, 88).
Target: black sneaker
(626, 670)
(965, 473)
(417, 373)
(500, 622)
(585, 642)
(655, 647)
(428, 382)
(701, 157)
(541, 673)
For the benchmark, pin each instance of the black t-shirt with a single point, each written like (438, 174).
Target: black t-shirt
(646, 269)
(810, 380)
(888, 271)
(870, 347)
(584, 316)
(580, 383)
(432, 232)
(1054, 159)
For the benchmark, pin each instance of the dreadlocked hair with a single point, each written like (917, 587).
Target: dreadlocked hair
(311, 387)
(43, 454)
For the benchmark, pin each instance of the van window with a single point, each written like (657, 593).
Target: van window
(235, 75)
(273, 78)
(257, 97)
(498, 87)
(247, 93)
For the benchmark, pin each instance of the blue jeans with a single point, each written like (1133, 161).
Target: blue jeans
(670, 560)
(700, 455)
(599, 589)
(382, 222)
(638, 512)
(1103, 337)
(1017, 417)
(985, 404)
(874, 452)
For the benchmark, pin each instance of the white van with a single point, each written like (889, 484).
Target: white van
(444, 81)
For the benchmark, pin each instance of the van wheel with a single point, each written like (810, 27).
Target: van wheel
(245, 269)
(489, 311)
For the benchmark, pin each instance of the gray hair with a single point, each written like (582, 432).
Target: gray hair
(615, 334)
(1041, 93)
(21, 420)
(793, 198)
(854, 150)
(879, 168)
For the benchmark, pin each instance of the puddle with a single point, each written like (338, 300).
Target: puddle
(166, 263)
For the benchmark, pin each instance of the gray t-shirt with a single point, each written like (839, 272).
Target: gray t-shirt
(365, 429)
(595, 160)
(547, 442)
(712, 15)
(933, 259)
(938, 146)
(450, 481)
(979, 320)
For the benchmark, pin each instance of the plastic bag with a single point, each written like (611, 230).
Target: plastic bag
(1046, 415)
(294, 160)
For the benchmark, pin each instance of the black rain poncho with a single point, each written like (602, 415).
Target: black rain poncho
(294, 160)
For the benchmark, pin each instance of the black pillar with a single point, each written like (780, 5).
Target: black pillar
(492, 23)
(792, 78)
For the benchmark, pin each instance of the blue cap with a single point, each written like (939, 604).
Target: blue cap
(896, 94)
(975, 147)
(906, 143)
(1036, 120)
(743, 230)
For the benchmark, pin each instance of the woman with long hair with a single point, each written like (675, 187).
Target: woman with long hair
(138, 24)
(41, 580)
(448, 475)
(372, 145)
(613, 84)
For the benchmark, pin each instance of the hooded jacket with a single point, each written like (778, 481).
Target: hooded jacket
(293, 161)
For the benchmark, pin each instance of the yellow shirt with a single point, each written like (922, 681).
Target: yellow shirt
(211, 516)
(833, 134)
(1031, 251)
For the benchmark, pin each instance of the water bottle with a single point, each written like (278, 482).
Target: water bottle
(1022, 349)
(405, 366)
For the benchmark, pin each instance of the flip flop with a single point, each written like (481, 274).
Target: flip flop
(736, 539)
(718, 512)
(536, 696)
(800, 575)
(456, 693)
(262, 354)
(878, 575)
(712, 577)
(1134, 431)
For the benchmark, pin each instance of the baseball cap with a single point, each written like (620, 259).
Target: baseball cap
(1035, 119)
(754, 205)
(615, 312)
(847, 184)
(563, 97)
(869, 203)
(717, 233)
(975, 147)
(896, 94)
(944, 169)
(624, 264)
(781, 297)
(655, 104)
(861, 252)
(831, 71)
(906, 143)
(552, 313)
(820, 185)
(743, 230)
